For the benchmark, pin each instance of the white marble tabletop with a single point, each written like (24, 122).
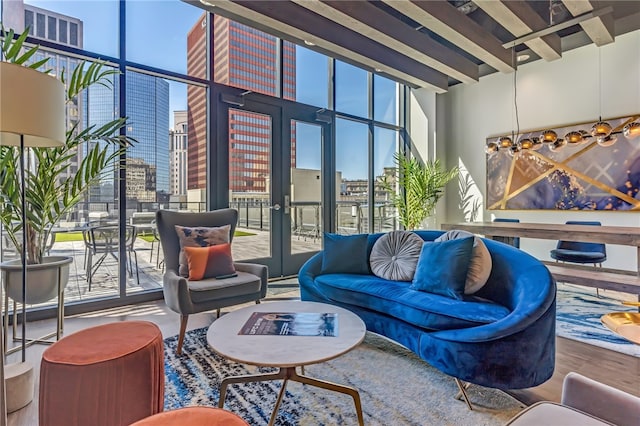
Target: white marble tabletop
(284, 351)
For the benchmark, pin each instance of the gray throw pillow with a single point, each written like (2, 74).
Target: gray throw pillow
(480, 264)
(199, 236)
(394, 256)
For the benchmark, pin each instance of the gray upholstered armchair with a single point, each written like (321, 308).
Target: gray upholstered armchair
(186, 297)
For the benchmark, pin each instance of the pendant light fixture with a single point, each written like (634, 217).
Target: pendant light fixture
(601, 130)
(510, 144)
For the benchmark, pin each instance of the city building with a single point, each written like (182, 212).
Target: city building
(197, 107)
(247, 58)
(178, 140)
(148, 124)
(52, 26)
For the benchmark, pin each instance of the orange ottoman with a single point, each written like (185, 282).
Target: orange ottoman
(193, 416)
(108, 375)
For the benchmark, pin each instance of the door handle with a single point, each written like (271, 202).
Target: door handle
(275, 207)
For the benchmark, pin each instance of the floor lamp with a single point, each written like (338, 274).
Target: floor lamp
(32, 114)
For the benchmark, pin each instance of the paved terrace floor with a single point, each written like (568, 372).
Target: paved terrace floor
(105, 282)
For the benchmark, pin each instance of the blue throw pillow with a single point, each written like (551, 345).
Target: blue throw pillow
(443, 266)
(345, 254)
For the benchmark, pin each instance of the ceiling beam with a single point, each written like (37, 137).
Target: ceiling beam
(374, 23)
(519, 18)
(446, 21)
(600, 29)
(292, 22)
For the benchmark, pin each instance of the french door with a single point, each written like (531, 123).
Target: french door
(275, 159)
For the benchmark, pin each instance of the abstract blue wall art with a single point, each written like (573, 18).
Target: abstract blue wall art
(584, 175)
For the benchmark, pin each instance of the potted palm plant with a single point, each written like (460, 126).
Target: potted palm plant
(416, 187)
(50, 192)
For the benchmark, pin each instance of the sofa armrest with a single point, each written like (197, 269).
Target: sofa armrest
(311, 268)
(524, 315)
(258, 270)
(600, 400)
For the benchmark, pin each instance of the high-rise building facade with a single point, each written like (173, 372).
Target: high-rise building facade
(249, 59)
(178, 140)
(148, 124)
(147, 105)
(197, 105)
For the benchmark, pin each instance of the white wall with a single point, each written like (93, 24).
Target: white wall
(423, 135)
(550, 94)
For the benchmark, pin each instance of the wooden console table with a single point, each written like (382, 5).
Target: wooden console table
(607, 279)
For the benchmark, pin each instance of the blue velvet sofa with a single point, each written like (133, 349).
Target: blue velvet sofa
(502, 337)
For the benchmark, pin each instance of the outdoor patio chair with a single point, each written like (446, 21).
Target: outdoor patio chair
(189, 297)
(102, 242)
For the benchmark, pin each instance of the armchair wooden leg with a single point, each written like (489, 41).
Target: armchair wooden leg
(217, 313)
(183, 329)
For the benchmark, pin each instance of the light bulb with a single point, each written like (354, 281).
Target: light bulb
(573, 137)
(601, 129)
(505, 142)
(548, 136)
(491, 148)
(526, 143)
(631, 130)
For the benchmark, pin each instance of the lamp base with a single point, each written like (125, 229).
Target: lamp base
(20, 382)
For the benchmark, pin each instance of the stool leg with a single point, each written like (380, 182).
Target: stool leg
(183, 329)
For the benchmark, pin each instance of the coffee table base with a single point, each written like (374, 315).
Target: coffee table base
(289, 373)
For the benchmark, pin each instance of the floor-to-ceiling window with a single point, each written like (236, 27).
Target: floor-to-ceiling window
(160, 51)
(168, 55)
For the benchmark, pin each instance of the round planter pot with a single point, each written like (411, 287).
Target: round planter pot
(42, 279)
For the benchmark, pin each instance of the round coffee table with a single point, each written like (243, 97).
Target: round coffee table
(286, 352)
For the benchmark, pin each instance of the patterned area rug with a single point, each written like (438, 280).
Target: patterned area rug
(396, 388)
(578, 317)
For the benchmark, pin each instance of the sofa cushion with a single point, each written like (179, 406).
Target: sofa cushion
(242, 283)
(443, 266)
(397, 299)
(480, 264)
(395, 255)
(345, 253)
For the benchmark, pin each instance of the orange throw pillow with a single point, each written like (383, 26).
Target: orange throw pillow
(209, 262)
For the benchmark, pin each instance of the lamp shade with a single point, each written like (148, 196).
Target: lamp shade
(32, 104)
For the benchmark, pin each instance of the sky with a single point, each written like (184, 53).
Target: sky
(156, 36)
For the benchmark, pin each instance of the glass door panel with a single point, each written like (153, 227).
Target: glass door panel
(352, 171)
(250, 180)
(275, 181)
(306, 187)
(385, 145)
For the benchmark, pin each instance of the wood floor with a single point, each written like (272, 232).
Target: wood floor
(616, 369)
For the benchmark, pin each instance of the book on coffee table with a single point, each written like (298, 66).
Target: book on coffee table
(291, 324)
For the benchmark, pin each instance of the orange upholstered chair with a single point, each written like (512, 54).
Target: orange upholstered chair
(107, 375)
(201, 416)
